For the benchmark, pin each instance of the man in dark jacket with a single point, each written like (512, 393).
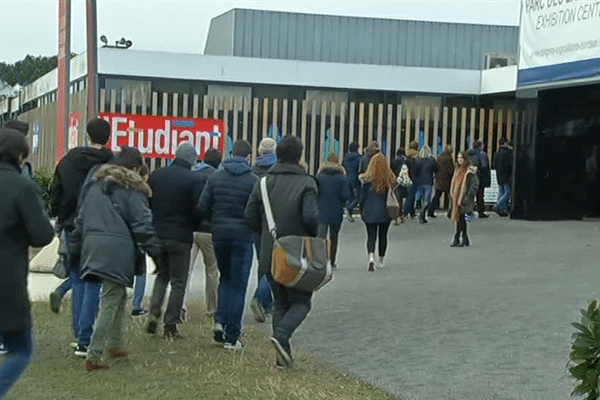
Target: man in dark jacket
(334, 192)
(351, 164)
(262, 301)
(503, 161)
(175, 191)
(480, 160)
(443, 176)
(293, 199)
(69, 177)
(23, 223)
(427, 167)
(203, 239)
(223, 200)
(411, 161)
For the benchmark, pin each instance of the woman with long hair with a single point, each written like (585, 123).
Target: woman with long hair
(376, 181)
(463, 189)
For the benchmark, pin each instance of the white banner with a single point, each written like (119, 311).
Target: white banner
(558, 31)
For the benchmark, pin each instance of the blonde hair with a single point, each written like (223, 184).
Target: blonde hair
(380, 174)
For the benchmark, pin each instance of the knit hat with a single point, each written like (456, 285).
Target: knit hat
(187, 153)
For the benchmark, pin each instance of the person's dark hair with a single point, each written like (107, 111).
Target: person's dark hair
(400, 152)
(478, 144)
(213, 157)
(289, 150)
(503, 141)
(98, 130)
(242, 148)
(129, 157)
(353, 147)
(12, 146)
(144, 170)
(20, 126)
(466, 160)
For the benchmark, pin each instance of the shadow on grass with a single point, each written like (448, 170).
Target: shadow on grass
(193, 368)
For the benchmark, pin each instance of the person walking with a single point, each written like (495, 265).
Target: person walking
(69, 178)
(427, 167)
(351, 164)
(370, 151)
(175, 191)
(401, 191)
(334, 192)
(223, 200)
(480, 160)
(293, 198)
(203, 242)
(23, 223)
(411, 161)
(139, 288)
(443, 176)
(114, 214)
(463, 189)
(503, 163)
(262, 301)
(377, 180)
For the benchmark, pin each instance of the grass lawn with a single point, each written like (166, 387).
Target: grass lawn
(194, 368)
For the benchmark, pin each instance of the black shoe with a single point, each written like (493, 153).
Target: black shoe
(422, 219)
(481, 215)
(219, 333)
(455, 242)
(81, 351)
(152, 325)
(465, 242)
(55, 299)
(284, 358)
(171, 332)
(431, 215)
(139, 313)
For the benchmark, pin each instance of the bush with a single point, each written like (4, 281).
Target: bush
(44, 179)
(584, 359)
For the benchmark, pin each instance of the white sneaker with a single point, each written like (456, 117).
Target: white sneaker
(381, 264)
(238, 345)
(73, 345)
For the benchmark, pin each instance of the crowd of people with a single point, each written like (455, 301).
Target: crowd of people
(103, 201)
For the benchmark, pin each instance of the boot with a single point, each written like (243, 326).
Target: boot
(422, 217)
(456, 242)
(465, 242)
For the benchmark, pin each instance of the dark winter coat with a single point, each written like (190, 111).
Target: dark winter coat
(366, 159)
(396, 164)
(175, 192)
(204, 171)
(411, 163)
(373, 206)
(293, 199)
(224, 200)
(69, 177)
(114, 217)
(503, 162)
(480, 160)
(443, 176)
(426, 167)
(23, 223)
(468, 190)
(334, 192)
(351, 164)
(263, 163)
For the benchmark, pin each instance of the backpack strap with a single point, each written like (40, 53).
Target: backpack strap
(267, 206)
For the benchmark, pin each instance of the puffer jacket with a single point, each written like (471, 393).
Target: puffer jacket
(224, 199)
(334, 192)
(293, 198)
(113, 219)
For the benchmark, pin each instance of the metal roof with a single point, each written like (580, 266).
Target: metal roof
(356, 40)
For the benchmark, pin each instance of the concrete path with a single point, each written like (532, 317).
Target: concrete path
(491, 321)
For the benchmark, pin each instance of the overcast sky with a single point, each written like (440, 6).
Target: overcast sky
(30, 26)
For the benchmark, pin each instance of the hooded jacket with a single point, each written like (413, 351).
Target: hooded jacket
(263, 163)
(334, 192)
(114, 217)
(69, 177)
(23, 223)
(224, 199)
(176, 190)
(351, 163)
(293, 198)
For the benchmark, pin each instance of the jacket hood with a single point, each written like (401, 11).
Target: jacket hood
(237, 165)
(84, 158)
(331, 169)
(292, 169)
(111, 175)
(266, 160)
(201, 166)
(412, 153)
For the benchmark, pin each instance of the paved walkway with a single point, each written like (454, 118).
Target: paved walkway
(491, 321)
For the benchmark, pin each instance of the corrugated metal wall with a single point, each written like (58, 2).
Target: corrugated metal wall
(308, 37)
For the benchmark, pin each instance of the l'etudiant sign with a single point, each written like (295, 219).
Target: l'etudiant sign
(159, 137)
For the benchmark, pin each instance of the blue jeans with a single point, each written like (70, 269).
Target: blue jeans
(65, 286)
(20, 346)
(234, 258)
(138, 291)
(263, 290)
(425, 191)
(503, 203)
(409, 203)
(354, 195)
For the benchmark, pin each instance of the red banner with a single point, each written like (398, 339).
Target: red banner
(159, 137)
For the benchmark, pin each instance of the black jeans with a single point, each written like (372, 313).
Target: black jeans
(435, 202)
(334, 232)
(172, 267)
(373, 232)
(480, 202)
(461, 225)
(291, 308)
